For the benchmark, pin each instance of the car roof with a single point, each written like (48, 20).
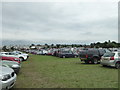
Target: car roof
(115, 52)
(4, 52)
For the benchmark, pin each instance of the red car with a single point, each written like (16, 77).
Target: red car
(50, 52)
(10, 58)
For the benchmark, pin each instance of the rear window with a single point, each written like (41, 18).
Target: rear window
(109, 54)
(93, 52)
(102, 52)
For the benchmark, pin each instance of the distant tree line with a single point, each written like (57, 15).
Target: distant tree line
(105, 44)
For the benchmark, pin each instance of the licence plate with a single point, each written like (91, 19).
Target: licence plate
(105, 58)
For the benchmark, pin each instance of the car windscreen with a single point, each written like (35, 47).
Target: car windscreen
(109, 54)
(92, 52)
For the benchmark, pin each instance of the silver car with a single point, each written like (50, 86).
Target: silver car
(7, 78)
(12, 64)
(111, 59)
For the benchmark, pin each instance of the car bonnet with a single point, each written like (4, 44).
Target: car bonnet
(5, 70)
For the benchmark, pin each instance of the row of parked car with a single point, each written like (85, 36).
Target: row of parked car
(105, 57)
(10, 65)
(61, 52)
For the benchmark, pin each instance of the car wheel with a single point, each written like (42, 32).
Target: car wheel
(63, 56)
(117, 65)
(21, 58)
(95, 61)
(75, 56)
(86, 61)
(104, 65)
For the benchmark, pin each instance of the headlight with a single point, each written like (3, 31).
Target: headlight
(16, 59)
(15, 66)
(6, 77)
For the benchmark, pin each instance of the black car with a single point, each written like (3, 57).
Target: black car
(66, 54)
(92, 55)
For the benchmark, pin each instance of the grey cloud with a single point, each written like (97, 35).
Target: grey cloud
(57, 21)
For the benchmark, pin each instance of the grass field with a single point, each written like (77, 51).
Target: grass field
(53, 72)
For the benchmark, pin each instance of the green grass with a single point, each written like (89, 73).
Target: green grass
(53, 72)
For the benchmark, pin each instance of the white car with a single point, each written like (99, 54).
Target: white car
(13, 54)
(18, 52)
(7, 78)
(44, 52)
(25, 56)
(39, 52)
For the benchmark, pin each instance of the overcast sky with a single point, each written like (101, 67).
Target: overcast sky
(50, 22)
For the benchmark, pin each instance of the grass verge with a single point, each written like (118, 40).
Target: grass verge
(53, 72)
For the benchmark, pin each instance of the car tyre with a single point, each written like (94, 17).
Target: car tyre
(117, 65)
(75, 56)
(104, 65)
(21, 58)
(86, 61)
(63, 56)
(95, 61)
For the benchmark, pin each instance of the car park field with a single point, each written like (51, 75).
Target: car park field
(41, 71)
